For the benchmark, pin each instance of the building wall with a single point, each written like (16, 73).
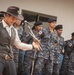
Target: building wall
(63, 9)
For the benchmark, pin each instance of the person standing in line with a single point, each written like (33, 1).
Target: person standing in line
(59, 29)
(71, 57)
(52, 64)
(16, 51)
(67, 64)
(29, 55)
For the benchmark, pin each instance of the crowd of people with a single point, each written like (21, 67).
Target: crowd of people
(20, 54)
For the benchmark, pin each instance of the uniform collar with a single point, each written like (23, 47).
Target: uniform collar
(49, 30)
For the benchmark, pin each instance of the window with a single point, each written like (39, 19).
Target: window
(31, 17)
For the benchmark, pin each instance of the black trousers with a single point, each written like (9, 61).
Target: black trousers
(7, 67)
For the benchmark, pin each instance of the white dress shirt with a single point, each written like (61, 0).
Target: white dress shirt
(17, 43)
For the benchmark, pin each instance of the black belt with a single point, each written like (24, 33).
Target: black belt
(5, 56)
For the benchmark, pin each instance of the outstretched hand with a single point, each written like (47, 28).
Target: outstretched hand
(36, 45)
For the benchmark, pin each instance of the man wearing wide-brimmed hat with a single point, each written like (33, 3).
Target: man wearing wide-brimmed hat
(8, 38)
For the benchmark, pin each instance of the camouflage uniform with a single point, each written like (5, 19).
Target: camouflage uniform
(29, 56)
(26, 38)
(15, 50)
(61, 48)
(53, 64)
(71, 58)
(63, 70)
(57, 50)
(43, 55)
(18, 53)
(67, 55)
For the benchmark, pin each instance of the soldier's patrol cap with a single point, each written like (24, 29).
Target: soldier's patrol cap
(72, 34)
(59, 27)
(52, 20)
(37, 24)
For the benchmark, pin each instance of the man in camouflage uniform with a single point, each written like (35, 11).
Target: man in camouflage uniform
(59, 29)
(53, 64)
(43, 55)
(15, 50)
(19, 55)
(64, 66)
(67, 65)
(59, 53)
(53, 60)
(42, 62)
(70, 53)
(29, 55)
(58, 49)
(71, 57)
(25, 38)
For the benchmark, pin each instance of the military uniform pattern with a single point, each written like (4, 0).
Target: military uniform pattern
(71, 59)
(15, 50)
(29, 57)
(57, 52)
(54, 56)
(25, 38)
(58, 49)
(43, 55)
(66, 67)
